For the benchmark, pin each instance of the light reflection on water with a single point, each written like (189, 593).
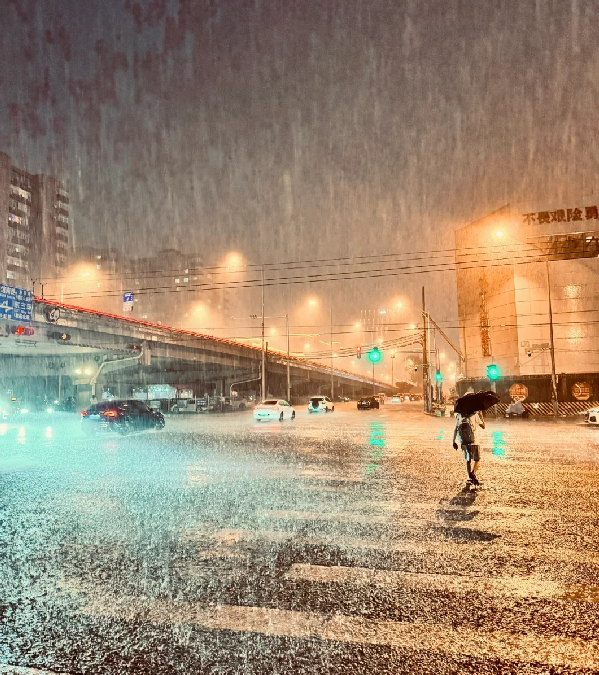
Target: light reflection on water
(377, 442)
(498, 443)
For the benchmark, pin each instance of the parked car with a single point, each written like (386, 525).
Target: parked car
(320, 404)
(121, 416)
(274, 409)
(236, 403)
(183, 405)
(592, 416)
(368, 403)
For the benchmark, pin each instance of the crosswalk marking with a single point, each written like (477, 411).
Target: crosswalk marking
(445, 549)
(493, 524)
(20, 670)
(523, 587)
(498, 644)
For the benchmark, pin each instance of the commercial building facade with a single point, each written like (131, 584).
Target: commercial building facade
(34, 226)
(528, 294)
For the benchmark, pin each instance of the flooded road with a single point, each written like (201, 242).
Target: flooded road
(346, 542)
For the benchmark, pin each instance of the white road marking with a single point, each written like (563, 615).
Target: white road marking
(522, 587)
(490, 523)
(444, 549)
(20, 670)
(498, 644)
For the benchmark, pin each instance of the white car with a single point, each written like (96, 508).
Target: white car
(396, 399)
(320, 404)
(274, 409)
(592, 416)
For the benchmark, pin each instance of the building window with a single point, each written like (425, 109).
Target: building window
(177, 281)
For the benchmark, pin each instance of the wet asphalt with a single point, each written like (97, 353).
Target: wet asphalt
(339, 543)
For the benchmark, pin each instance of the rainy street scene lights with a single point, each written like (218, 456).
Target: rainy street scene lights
(218, 217)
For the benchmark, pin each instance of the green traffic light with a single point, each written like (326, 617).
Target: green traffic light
(375, 355)
(438, 376)
(493, 372)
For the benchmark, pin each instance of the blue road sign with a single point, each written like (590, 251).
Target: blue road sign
(127, 301)
(15, 303)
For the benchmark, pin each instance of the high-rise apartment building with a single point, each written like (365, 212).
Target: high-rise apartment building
(34, 226)
(170, 287)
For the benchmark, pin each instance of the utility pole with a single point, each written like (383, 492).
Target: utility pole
(437, 365)
(425, 373)
(263, 353)
(288, 357)
(373, 384)
(332, 374)
(552, 345)
(392, 361)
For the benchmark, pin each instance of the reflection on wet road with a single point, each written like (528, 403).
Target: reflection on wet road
(341, 543)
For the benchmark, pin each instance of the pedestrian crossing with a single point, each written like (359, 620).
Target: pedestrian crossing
(445, 600)
(312, 575)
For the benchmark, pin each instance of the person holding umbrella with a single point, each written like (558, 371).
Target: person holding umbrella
(468, 410)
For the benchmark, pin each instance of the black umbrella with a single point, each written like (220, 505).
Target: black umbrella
(473, 402)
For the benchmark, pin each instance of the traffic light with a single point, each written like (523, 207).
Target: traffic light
(22, 330)
(63, 337)
(438, 376)
(359, 352)
(134, 348)
(375, 355)
(493, 372)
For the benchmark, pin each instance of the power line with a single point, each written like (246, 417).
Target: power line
(333, 276)
(347, 260)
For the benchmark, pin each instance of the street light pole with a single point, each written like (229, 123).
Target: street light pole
(263, 353)
(392, 362)
(288, 357)
(332, 375)
(552, 345)
(425, 368)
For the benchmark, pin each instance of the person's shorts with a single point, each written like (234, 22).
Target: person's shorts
(471, 453)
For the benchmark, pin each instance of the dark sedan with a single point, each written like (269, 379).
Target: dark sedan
(368, 403)
(121, 416)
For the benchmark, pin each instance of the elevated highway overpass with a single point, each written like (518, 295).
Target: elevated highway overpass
(73, 351)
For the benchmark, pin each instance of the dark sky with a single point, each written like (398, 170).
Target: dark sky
(290, 129)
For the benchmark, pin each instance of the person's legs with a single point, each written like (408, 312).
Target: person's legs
(466, 453)
(468, 470)
(475, 456)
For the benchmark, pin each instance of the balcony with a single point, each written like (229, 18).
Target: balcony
(18, 208)
(18, 226)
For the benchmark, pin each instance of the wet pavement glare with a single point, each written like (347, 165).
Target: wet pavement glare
(345, 542)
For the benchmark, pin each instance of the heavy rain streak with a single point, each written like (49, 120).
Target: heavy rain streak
(299, 337)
